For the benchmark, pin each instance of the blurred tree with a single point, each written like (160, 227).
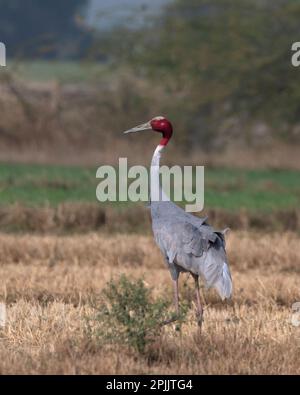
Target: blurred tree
(222, 58)
(42, 28)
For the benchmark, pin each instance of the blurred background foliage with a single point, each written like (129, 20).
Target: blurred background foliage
(82, 71)
(46, 29)
(222, 60)
(220, 69)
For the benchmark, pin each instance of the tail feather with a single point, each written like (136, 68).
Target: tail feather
(224, 283)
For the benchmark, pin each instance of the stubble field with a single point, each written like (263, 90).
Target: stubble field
(51, 284)
(59, 247)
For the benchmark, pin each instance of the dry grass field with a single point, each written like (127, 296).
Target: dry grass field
(50, 284)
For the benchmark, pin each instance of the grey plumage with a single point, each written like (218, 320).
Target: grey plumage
(189, 244)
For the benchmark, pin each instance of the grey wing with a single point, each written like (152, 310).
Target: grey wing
(197, 250)
(164, 241)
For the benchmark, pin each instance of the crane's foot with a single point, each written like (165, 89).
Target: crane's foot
(199, 318)
(176, 316)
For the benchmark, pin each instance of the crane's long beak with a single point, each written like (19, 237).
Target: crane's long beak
(139, 128)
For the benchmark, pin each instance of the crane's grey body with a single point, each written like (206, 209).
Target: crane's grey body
(189, 244)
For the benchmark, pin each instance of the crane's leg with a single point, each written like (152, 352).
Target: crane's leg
(176, 297)
(199, 311)
(175, 275)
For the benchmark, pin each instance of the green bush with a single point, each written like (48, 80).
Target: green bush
(129, 315)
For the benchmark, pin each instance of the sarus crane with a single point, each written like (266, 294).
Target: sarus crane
(188, 243)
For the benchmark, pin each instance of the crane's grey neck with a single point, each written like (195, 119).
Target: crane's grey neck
(156, 192)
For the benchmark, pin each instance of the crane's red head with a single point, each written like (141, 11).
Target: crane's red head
(157, 124)
(164, 126)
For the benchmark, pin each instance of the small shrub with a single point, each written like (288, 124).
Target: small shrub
(129, 315)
